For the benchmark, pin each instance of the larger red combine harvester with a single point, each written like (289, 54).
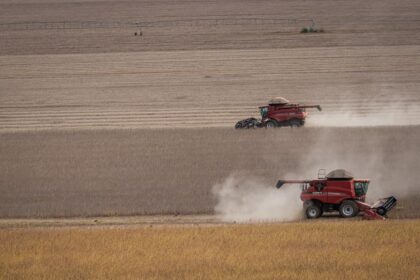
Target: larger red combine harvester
(339, 191)
(279, 113)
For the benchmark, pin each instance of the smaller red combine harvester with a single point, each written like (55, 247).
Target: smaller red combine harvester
(339, 191)
(279, 112)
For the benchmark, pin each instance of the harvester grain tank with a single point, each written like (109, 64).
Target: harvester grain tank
(339, 191)
(279, 113)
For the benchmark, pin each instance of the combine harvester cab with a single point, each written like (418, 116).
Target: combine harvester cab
(278, 113)
(339, 191)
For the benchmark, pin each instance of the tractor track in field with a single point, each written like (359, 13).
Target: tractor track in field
(153, 221)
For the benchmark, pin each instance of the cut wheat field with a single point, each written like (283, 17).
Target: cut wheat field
(78, 65)
(204, 88)
(134, 172)
(328, 250)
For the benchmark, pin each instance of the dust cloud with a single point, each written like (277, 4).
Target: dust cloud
(377, 142)
(353, 119)
(387, 156)
(246, 199)
(389, 162)
(369, 114)
(375, 139)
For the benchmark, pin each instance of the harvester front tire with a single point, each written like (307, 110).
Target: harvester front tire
(271, 124)
(295, 123)
(348, 209)
(313, 211)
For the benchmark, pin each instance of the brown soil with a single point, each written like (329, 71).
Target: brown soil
(69, 69)
(61, 27)
(127, 172)
(190, 70)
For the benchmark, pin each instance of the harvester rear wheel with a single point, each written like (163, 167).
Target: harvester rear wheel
(348, 209)
(313, 211)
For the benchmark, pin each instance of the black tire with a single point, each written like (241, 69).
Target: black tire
(381, 211)
(313, 211)
(270, 124)
(295, 123)
(348, 209)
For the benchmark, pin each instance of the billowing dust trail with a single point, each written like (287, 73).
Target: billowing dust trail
(370, 113)
(245, 199)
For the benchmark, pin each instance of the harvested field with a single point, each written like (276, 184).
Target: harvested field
(127, 172)
(69, 69)
(207, 88)
(347, 250)
(40, 27)
(77, 64)
(116, 124)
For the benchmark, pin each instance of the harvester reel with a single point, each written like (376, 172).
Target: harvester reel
(247, 123)
(381, 211)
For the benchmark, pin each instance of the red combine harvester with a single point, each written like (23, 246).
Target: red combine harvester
(339, 191)
(279, 112)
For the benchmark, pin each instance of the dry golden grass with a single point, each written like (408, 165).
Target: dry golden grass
(322, 250)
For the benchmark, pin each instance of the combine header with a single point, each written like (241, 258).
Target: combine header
(339, 191)
(279, 112)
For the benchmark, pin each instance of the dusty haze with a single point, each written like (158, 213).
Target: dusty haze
(382, 109)
(247, 199)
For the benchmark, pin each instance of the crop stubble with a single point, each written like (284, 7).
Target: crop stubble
(203, 88)
(124, 172)
(185, 78)
(201, 76)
